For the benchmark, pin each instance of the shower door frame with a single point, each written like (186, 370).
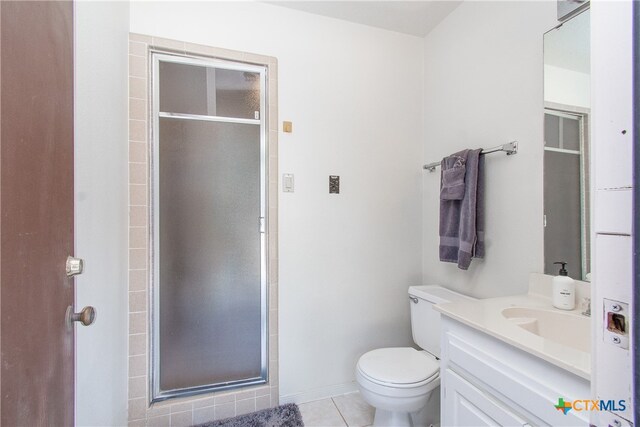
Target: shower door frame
(157, 56)
(582, 115)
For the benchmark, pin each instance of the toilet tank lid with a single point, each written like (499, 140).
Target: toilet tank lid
(437, 294)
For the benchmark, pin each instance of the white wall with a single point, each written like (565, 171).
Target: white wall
(484, 87)
(567, 87)
(101, 126)
(354, 94)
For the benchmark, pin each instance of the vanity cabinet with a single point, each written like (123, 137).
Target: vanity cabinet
(487, 382)
(468, 405)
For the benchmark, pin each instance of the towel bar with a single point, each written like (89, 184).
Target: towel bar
(509, 148)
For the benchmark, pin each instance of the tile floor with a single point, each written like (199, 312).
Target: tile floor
(340, 411)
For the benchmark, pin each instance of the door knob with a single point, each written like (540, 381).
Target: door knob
(86, 316)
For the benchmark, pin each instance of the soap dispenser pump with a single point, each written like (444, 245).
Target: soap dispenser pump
(564, 289)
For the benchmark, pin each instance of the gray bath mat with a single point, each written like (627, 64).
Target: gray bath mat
(282, 416)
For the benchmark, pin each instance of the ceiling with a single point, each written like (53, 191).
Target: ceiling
(416, 18)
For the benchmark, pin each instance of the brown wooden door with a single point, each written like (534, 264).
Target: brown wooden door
(36, 206)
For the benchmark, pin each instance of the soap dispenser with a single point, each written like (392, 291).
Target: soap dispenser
(564, 289)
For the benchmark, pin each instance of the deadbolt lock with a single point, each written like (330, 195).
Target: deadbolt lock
(74, 266)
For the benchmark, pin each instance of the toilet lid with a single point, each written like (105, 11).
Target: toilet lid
(403, 365)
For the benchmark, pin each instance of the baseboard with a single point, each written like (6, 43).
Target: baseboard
(319, 393)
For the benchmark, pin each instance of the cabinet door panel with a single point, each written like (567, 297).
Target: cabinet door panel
(466, 405)
(514, 377)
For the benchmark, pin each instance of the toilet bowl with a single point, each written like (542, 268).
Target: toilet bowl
(402, 383)
(398, 382)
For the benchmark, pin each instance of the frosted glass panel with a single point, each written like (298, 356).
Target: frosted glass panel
(571, 134)
(551, 131)
(209, 253)
(208, 91)
(562, 205)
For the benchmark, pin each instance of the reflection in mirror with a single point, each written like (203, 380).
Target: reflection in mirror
(566, 147)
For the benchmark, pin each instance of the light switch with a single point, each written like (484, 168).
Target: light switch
(287, 127)
(287, 182)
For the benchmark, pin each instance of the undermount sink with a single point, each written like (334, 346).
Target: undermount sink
(569, 329)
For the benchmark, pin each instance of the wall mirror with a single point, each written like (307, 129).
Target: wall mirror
(567, 199)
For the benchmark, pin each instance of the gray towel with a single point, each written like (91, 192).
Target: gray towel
(462, 221)
(452, 172)
(480, 211)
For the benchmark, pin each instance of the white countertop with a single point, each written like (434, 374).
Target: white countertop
(486, 315)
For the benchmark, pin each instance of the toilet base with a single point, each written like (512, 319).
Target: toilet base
(428, 416)
(388, 418)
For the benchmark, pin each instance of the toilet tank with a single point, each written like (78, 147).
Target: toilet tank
(425, 321)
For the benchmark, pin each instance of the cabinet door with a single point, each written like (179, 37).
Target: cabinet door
(466, 405)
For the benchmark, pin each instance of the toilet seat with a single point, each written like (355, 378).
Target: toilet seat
(399, 367)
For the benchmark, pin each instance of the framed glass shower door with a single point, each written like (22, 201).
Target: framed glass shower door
(209, 314)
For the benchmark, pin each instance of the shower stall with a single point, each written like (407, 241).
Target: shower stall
(208, 197)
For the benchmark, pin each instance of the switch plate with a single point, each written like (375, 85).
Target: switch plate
(287, 127)
(334, 184)
(288, 183)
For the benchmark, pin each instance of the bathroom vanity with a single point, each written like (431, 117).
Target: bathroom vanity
(513, 360)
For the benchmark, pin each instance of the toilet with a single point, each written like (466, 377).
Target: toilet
(402, 383)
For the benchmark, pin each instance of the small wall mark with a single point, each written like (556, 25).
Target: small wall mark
(334, 184)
